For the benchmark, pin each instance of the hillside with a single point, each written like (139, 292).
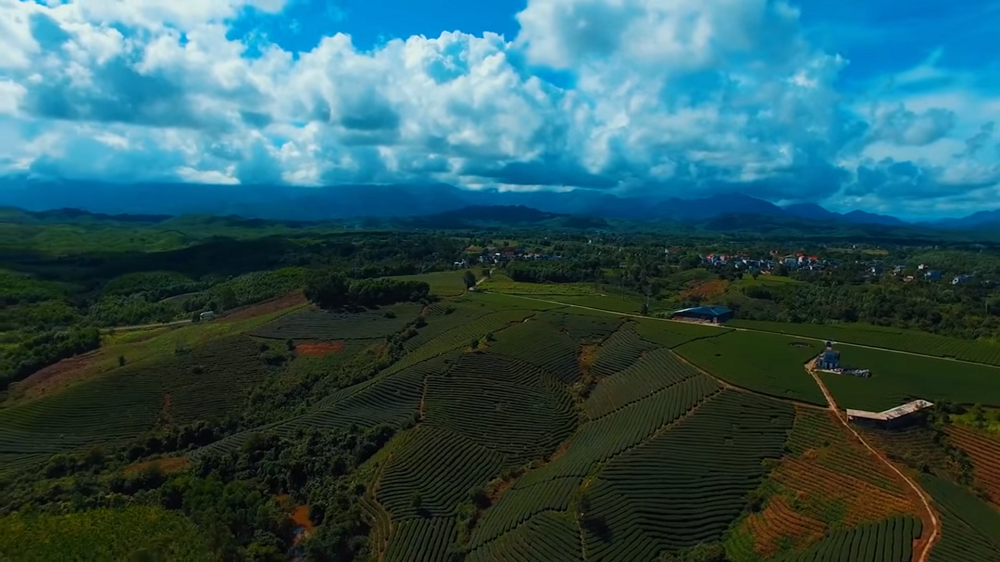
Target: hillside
(326, 411)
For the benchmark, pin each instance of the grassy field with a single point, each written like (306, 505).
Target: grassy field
(766, 363)
(898, 378)
(443, 283)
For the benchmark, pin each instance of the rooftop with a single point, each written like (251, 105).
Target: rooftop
(710, 310)
(894, 413)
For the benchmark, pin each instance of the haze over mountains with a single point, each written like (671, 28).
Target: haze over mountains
(347, 201)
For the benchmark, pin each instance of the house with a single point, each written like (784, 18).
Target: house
(713, 314)
(899, 416)
(932, 275)
(960, 279)
(207, 315)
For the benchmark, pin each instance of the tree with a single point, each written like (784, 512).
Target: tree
(474, 344)
(121, 360)
(328, 289)
(469, 278)
(196, 317)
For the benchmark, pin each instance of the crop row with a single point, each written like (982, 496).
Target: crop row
(777, 528)
(686, 485)
(427, 540)
(889, 540)
(887, 338)
(392, 399)
(766, 363)
(652, 373)
(433, 472)
(673, 334)
(620, 351)
(819, 433)
(460, 336)
(974, 513)
(540, 344)
(984, 451)
(547, 537)
(444, 316)
(203, 383)
(324, 325)
(600, 439)
(520, 504)
(503, 404)
(583, 327)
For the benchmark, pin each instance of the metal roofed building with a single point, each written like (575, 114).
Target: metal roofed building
(713, 314)
(895, 417)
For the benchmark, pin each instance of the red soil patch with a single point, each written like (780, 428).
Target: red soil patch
(816, 485)
(299, 515)
(706, 290)
(779, 522)
(318, 349)
(167, 465)
(262, 308)
(52, 378)
(166, 417)
(984, 452)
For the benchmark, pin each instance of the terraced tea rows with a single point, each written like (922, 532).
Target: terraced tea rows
(547, 537)
(770, 364)
(503, 404)
(204, 383)
(519, 505)
(322, 325)
(444, 316)
(970, 529)
(433, 472)
(673, 334)
(687, 484)
(599, 440)
(583, 327)
(887, 338)
(890, 540)
(658, 370)
(540, 344)
(984, 452)
(422, 539)
(619, 351)
(898, 378)
(777, 528)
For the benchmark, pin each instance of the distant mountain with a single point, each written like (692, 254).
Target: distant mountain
(151, 201)
(481, 216)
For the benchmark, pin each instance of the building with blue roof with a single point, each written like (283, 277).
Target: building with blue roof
(713, 314)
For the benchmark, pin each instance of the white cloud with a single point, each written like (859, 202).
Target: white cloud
(682, 96)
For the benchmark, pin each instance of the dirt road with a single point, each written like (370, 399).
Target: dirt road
(932, 518)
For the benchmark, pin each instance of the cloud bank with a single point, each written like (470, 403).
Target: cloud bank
(679, 97)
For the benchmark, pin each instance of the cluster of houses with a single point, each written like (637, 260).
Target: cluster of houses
(801, 261)
(494, 255)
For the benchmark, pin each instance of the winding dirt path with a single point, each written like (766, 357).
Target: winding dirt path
(932, 518)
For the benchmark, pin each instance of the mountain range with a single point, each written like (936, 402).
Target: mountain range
(382, 201)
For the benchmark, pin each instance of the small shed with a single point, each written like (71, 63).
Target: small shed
(899, 416)
(208, 315)
(713, 314)
(829, 360)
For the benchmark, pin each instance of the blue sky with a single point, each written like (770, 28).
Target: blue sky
(872, 104)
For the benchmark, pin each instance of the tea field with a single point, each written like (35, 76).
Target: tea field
(517, 429)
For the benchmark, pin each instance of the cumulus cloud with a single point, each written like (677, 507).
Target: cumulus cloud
(677, 97)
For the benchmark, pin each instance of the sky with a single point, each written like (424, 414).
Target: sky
(875, 104)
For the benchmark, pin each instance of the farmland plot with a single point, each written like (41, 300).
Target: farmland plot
(503, 404)
(658, 370)
(201, 384)
(687, 484)
(673, 334)
(898, 378)
(427, 540)
(585, 327)
(971, 530)
(325, 325)
(620, 351)
(984, 452)
(890, 540)
(765, 363)
(548, 537)
(599, 440)
(887, 338)
(540, 344)
(521, 504)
